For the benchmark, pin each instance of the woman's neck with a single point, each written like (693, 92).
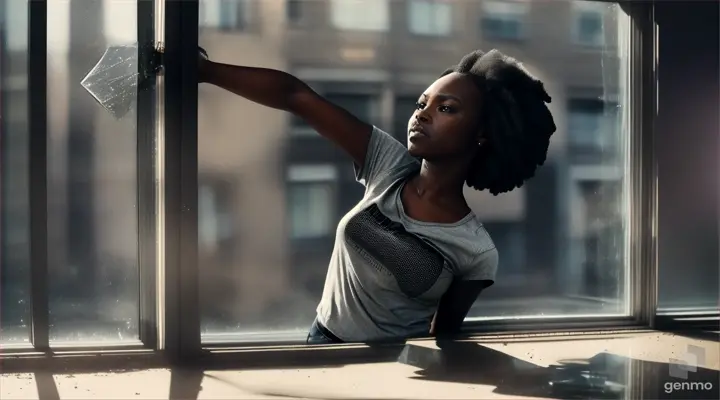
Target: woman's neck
(441, 182)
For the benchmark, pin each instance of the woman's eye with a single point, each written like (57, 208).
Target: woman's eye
(419, 105)
(445, 109)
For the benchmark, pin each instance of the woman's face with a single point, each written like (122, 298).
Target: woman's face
(446, 122)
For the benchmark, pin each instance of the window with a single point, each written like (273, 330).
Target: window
(404, 108)
(360, 105)
(430, 17)
(293, 10)
(91, 200)
(537, 277)
(361, 15)
(224, 14)
(311, 201)
(14, 176)
(597, 225)
(591, 124)
(588, 24)
(505, 20)
(253, 212)
(216, 222)
(15, 29)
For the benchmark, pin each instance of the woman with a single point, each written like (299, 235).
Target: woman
(411, 258)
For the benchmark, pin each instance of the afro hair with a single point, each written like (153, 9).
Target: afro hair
(516, 122)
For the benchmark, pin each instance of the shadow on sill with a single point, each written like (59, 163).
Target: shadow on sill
(603, 376)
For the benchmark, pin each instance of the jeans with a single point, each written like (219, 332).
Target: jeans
(320, 335)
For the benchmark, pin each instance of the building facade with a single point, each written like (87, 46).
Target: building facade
(271, 191)
(374, 58)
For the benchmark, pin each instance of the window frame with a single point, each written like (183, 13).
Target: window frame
(37, 119)
(168, 214)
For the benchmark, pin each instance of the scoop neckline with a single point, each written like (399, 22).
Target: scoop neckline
(401, 208)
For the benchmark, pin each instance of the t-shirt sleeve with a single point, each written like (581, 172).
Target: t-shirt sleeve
(484, 267)
(384, 153)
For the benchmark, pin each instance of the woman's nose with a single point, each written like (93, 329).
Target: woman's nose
(422, 116)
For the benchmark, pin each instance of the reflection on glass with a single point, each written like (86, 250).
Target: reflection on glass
(14, 210)
(92, 214)
(561, 238)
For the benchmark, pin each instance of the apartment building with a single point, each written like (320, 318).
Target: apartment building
(374, 57)
(271, 191)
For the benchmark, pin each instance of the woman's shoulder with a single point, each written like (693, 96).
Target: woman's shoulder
(386, 161)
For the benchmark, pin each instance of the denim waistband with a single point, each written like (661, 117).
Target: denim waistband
(326, 332)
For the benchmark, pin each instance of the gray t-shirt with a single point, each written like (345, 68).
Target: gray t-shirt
(388, 271)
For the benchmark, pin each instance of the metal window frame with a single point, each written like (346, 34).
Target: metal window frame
(179, 141)
(146, 189)
(37, 119)
(641, 98)
(174, 134)
(146, 179)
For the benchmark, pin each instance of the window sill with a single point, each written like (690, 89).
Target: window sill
(298, 355)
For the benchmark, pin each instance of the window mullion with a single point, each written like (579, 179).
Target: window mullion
(37, 109)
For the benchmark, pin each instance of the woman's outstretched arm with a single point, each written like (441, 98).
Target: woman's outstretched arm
(282, 91)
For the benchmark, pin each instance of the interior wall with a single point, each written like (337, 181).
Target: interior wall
(687, 150)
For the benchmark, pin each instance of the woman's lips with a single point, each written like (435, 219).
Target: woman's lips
(417, 130)
(415, 135)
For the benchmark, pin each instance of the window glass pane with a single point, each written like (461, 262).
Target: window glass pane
(588, 25)
(92, 196)
(592, 124)
(311, 206)
(359, 105)
(311, 202)
(404, 108)
(504, 19)
(14, 210)
(223, 14)
(293, 10)
(429, 17)
(561, 237)
(364, 15)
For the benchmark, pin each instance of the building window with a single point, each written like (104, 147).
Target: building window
(216, 228)
(359, 105)
(592, 124)
(587, 25)
(293, 10)
(430, 17)
(504, 20)
(404, 108)
(16, 28)
(312, 201)
(224, 14)
(600, 225)
(361, 15)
